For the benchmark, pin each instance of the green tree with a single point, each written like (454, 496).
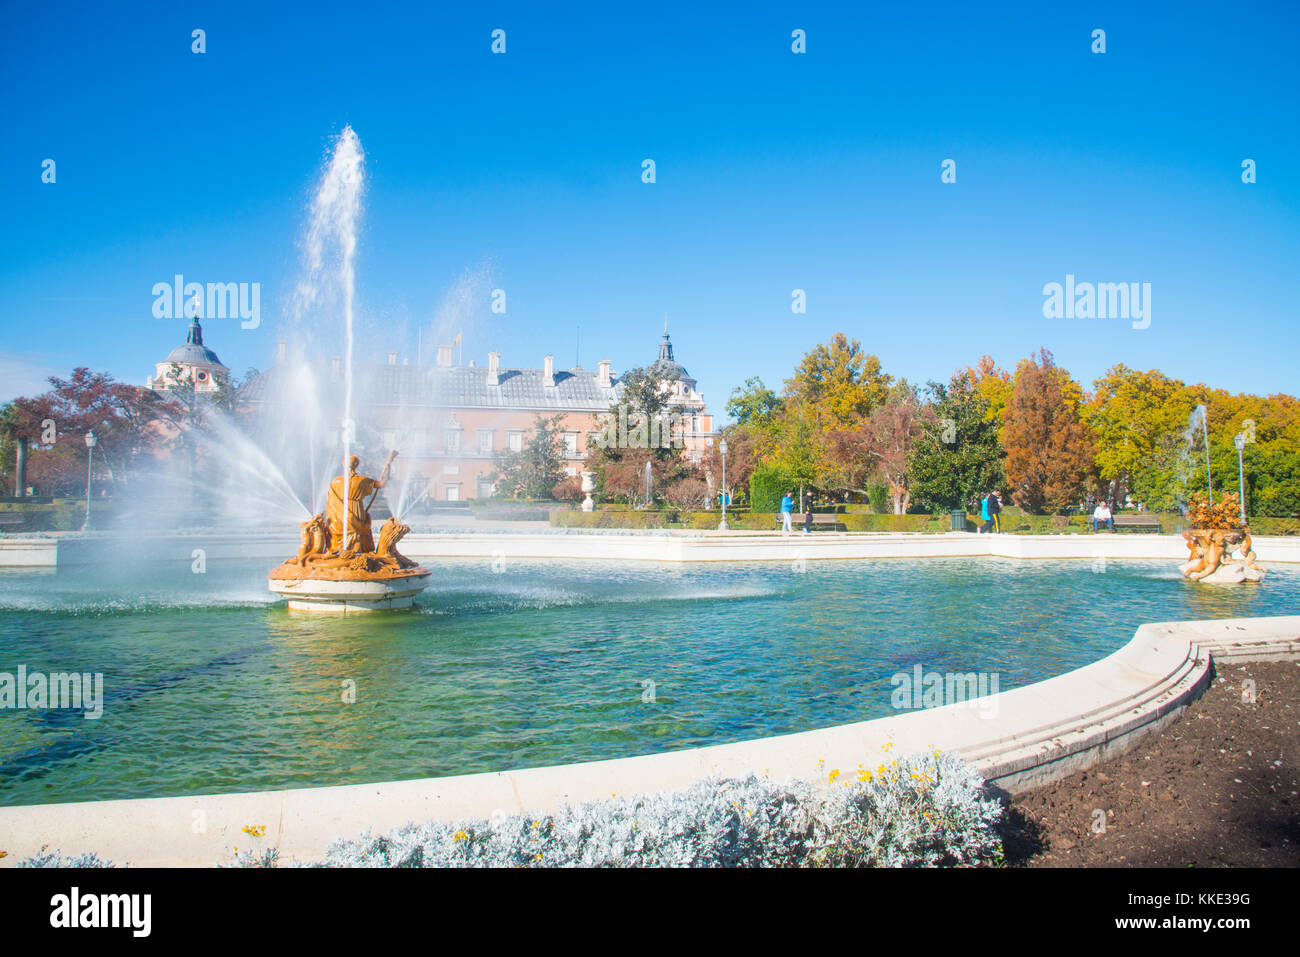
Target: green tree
(800, 450)
(535, 470)
(958, 455)
(753, 403)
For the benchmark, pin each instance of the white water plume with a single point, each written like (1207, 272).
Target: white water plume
(329, 255)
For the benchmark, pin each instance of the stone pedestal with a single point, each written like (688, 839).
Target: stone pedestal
(588, 486)
(350, 597)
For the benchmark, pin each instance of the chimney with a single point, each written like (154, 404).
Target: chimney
(392, 358)
(602, 378)
(444, 354)
(494, 368)
(281, 350)
(548, 370)
(336, 366)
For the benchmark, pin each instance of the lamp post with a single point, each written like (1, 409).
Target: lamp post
(1239, 440)
(722, 447)
(90, 462)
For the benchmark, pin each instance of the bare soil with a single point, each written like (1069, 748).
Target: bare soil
(1217, 788)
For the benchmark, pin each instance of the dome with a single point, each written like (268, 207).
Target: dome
(193, 355)
(194, 352)
(667, 366)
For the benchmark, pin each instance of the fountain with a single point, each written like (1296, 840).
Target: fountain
(1216, 532)
(339, 566)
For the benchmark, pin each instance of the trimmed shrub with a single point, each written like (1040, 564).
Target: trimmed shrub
(767, 484)
(613, 519)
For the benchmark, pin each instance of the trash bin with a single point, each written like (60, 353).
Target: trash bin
(959, 520)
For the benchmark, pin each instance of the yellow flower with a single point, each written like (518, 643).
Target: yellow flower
(538, 857)
(833, 776)
(460, 836)
(887, 746)
(258, 830)
(4, 853)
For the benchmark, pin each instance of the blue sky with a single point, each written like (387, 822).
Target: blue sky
(775, 171)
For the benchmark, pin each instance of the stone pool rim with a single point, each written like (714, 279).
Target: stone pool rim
(1018, 739)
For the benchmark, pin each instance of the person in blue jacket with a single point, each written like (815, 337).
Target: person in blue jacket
(986, 521)
(787, 512)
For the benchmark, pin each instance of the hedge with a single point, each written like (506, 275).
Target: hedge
(767, 485)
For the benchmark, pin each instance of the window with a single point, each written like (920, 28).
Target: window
(570, 443)
(516, 441)
(484, 488)
(390, 438)
(453, 440)
(485, 441)
(453, 493)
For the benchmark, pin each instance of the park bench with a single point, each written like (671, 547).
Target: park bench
(820, 521)
(1139, 521)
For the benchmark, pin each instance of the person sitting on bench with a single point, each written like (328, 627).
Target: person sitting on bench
(1102, 514)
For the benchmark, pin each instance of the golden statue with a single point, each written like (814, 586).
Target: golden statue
(322, 558)
(357, 508)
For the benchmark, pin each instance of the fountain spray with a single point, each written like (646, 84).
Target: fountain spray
(335, 214)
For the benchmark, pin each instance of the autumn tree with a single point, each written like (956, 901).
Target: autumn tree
(1049, 447)
(879, 449)
(994, 385)
(840, 382)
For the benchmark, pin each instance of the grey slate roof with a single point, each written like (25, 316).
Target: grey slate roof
(463, 387)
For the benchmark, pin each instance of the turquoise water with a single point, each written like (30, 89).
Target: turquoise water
(211, 687)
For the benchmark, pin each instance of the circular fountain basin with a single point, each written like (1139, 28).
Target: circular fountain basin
(347, 597)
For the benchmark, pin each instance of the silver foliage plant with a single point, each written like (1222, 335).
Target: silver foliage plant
(48, 858)
(919, 810)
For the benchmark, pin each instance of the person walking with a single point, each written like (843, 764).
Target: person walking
(808, 513)
(995, 509)
(985, 520)
(787, 513)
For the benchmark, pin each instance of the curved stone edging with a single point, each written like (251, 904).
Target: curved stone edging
(665, 546)
(1017, 739)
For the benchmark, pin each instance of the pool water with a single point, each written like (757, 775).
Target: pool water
(212, 686)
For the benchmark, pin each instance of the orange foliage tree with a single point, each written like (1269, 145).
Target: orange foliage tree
(1049, 448)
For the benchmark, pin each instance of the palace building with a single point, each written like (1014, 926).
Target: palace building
(450, 421)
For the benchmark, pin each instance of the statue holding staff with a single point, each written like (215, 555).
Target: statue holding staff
(347, 503)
